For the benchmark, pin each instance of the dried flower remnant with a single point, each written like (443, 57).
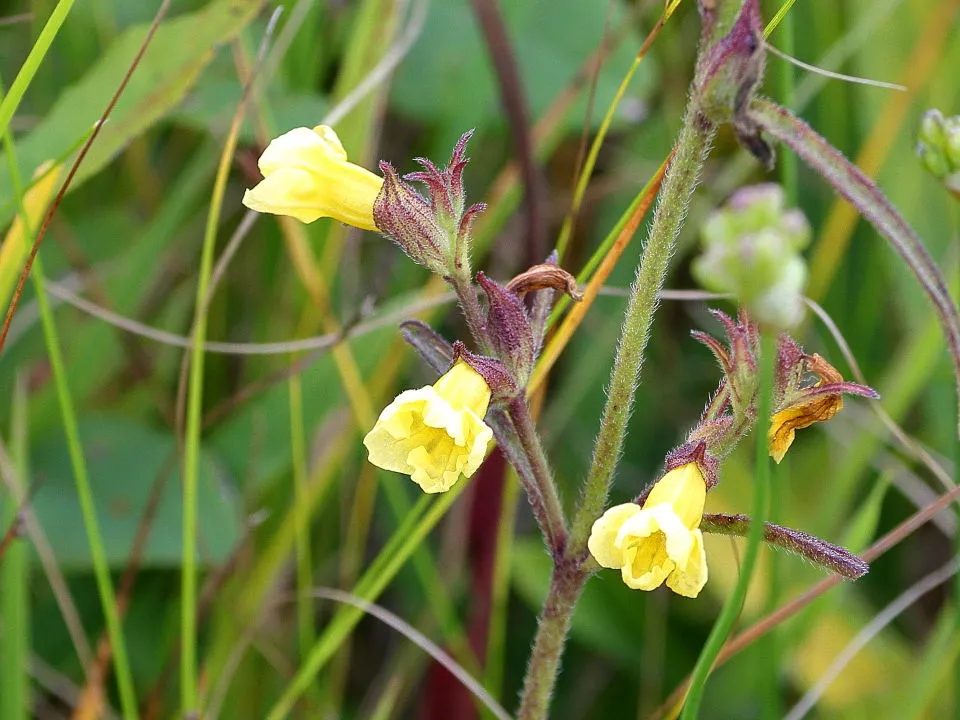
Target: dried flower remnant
(660, 541)
(306, 175)
(805, 411)
(731, 412)
(434, 434)
(752, 250)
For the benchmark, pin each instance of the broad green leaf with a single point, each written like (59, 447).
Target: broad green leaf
(211, 104)
(255, 440)
(448, 78)
(125, 459)
(179, 52)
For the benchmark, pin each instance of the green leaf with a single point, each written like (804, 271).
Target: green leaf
(179, 52)
(211, 104)
(125, 460)
(255, 440)
(447, 77)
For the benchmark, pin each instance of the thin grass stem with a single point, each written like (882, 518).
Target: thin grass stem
(761, 491)
(15, 579)
(404, 542)
(101, 569)
(191, 451)
(11, 100)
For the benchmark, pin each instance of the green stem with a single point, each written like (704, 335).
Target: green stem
(565, 585)
(734, 604)
(550, 515)
(570, 573)
(770, 708)
(467, 296)
(15, 575)
(68, 414)
(381, 572)
(10, 102)
(306, 633)
(101, 568)
(194, 420)
(692, 148)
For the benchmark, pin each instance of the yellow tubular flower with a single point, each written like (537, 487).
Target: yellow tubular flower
(660, 541)
(306, 175)
(437, 433)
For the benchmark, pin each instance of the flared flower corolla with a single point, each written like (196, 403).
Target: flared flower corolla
(659, 541)
(437, 433)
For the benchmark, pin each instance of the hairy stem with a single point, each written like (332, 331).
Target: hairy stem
(755, 531)
(554, 624)
(555, 525)
(691, 150)
(572, 570)
(853, 185)
(467, 297)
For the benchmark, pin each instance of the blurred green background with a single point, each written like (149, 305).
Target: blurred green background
(127, 238)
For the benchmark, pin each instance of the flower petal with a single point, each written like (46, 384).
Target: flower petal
(389, 442)
(464, 387)
(603, 535)
(300, 148)
(646, 567)
(677, 538)
(684, 490)
(689, 581)
(307, 176)
(420, 434)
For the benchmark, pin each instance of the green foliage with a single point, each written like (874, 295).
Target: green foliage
(127, 463)
(128, 238)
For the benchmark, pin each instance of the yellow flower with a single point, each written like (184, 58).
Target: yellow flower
(306, 175)
(660, 541)
(805, 411)
(437, 433)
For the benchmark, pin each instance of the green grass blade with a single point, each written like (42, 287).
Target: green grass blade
(11, 101)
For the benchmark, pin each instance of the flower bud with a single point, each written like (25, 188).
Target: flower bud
(404, 216)
(434, 230)
(827, 555)
(938, 147)
(508, 328)
(798, 403)
(752, 250)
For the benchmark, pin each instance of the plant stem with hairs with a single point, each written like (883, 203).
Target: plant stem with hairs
(755, 532)
(691, 151)
(572, 570)
(555, 525)
(729, 66)
(467, 297)
(566, 583)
